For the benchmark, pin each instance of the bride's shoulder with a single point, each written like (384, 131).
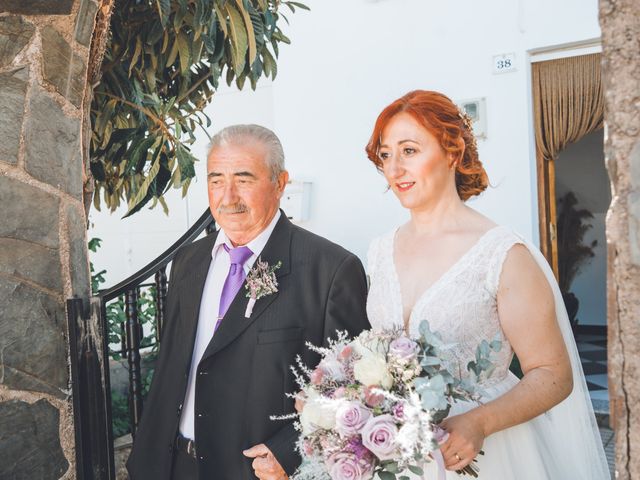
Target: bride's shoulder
(502, 239)
(506, 246)
(507, 234)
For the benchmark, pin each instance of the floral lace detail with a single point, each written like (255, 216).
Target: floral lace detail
(461, 305)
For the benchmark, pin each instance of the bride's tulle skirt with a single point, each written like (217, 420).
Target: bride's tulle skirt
(528, 451)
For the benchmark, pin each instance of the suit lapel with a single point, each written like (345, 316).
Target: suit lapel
(193, 284)
(277, 249)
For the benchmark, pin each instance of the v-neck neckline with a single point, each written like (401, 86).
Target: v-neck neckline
(426, 292)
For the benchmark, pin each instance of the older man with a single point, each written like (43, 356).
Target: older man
(223, 367)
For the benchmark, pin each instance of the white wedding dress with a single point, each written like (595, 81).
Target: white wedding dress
(561, 444)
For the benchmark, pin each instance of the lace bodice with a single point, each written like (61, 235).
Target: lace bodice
(461, 305)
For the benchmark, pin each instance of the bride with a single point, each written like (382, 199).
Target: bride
(472, 279)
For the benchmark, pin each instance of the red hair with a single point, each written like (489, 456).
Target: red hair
(441, 117)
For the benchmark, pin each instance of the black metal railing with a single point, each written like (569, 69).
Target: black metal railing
(89, 340)
(132, 328)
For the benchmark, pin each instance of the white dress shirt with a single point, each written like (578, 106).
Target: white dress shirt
(208, 316)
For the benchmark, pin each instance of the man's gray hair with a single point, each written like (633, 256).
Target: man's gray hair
(236, 134)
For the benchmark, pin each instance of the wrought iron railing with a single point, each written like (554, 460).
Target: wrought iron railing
(89, 334)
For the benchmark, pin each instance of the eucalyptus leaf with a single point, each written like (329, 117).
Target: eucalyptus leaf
(386, 476)
(392, 467)
(415, 470)
(428, 361)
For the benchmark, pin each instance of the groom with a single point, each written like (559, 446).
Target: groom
(223, 365)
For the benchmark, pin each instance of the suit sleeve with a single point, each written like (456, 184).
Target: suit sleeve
(347, 301)
(345, 310)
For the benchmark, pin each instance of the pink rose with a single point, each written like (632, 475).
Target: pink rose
(316, 376)
(308, 449)
(372, 399)
(379, 435)
(340, 392)
(346, 466)
(345, 353)
(351, 417)
(403, 348)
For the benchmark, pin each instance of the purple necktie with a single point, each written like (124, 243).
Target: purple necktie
(234, 280)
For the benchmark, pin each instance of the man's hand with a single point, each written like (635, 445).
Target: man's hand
(265, 465)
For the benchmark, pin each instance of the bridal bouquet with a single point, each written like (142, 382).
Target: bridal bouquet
(373, 404)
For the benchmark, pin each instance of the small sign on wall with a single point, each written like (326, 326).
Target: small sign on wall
(504, 63)
(295, 201)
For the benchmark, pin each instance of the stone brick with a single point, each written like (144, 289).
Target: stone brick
(33, 342)
(85, 21)
(63, 68)
(13, 88)
(28, 213)
(29, 441)
(52, 145)
(37, 7)
(15, 33)
(78, 253)
(32, 262)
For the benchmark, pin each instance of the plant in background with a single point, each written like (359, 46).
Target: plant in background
(116, 320)
(97, 278)
(573, 253)
(160, 70)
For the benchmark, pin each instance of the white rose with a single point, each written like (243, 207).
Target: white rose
(318, 413)
(357, 347)
(372, 370)
(367, 343)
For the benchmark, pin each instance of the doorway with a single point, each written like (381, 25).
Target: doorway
(583, 196)
(574, 195)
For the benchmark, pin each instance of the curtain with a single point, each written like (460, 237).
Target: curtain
(568, 104)
(568, 101)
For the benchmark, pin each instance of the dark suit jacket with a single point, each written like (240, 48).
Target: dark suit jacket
(244, 372)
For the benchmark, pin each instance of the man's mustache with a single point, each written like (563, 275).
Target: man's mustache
(235, 208)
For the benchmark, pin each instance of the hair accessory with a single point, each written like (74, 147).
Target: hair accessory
(468, 123)
(466, 119)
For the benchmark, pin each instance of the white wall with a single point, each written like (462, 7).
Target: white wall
(348, 59)
(580, 168)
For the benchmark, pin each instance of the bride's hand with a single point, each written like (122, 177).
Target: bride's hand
(466, 436)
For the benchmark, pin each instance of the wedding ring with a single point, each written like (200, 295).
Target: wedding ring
(457, 457)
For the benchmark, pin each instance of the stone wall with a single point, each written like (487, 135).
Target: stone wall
(620, 23)
(44, 49)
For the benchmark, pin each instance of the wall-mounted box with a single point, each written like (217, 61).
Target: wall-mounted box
(476, 108)
(295, 201)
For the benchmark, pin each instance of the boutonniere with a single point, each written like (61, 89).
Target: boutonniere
(261, 281)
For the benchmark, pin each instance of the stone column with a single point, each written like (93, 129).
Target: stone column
(620, 23)
(44, 49)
